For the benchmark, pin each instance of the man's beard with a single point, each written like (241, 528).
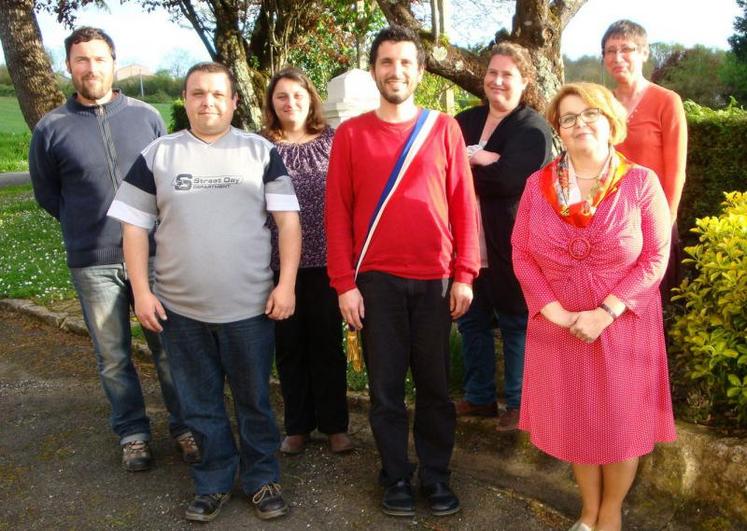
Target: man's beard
(394, 98)
(92, 91)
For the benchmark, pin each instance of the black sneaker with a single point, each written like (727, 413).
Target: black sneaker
(268, 502)
(136, 456)
(205, 507)
(399, 499)
(441, 499)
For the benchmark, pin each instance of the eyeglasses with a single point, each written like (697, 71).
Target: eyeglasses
(589, 116)
(625, 50)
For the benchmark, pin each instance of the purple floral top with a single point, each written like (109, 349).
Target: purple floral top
(307, 165)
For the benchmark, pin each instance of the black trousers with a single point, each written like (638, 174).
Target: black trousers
(310, 359)
(407, 325)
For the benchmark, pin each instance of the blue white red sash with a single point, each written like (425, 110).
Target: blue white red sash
(420, 132)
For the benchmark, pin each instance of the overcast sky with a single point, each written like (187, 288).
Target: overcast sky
(153, 40)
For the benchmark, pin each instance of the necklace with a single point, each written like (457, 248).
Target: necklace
(564, 186)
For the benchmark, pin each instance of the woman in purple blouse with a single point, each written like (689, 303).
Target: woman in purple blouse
(308, 352)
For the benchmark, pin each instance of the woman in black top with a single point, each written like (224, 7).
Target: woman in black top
(507, 140)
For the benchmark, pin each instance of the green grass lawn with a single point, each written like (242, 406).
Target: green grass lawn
(11, 119)
(32, 258)
(15, 135)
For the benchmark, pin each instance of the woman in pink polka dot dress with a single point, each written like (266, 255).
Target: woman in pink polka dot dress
(590, 247)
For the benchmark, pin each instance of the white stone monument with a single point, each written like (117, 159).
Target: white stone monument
(349, 95)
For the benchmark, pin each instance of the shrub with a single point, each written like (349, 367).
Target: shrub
(179, 119)
(716, 161)
(7, 90)
(709, 334)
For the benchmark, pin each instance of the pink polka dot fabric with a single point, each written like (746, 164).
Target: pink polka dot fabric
(607, 401)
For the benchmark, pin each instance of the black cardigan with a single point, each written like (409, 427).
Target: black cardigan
(524, 141)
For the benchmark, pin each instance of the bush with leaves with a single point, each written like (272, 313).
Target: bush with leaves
(709, 334)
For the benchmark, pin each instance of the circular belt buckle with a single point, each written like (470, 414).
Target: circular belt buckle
(579, 248)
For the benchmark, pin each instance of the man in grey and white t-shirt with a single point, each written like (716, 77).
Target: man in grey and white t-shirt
(209, 190)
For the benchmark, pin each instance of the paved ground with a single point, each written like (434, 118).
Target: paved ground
(60, 465)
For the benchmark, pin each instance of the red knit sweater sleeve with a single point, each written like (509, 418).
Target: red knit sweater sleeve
(463, 214)
(338, 214)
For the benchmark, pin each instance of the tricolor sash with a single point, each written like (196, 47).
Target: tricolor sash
(419, 133)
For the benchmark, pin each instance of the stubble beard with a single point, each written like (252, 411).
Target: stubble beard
(93, 91)
(394, 98)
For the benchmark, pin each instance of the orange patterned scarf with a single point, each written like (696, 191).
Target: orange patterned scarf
(554, 183)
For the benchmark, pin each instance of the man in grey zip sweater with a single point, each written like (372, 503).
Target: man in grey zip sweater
(78, 157)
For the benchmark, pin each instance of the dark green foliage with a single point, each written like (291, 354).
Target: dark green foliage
(160, 88)
(733, 75)
(586, 68)
(179, 119)
(695, 74)
(738, 41)
(716, 162)
(709, 334)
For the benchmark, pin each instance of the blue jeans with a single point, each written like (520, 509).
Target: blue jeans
(204, 356)
(478, 352)
(105, 298)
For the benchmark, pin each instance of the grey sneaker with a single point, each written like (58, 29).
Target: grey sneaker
(136, 456)
(188, 446)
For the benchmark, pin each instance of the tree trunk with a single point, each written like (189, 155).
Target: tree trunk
(28, 63)
(537, 25)
(231, 50)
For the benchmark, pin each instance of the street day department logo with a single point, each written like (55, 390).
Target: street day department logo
(185, 182)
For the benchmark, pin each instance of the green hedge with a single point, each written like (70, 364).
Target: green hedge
(716, 162)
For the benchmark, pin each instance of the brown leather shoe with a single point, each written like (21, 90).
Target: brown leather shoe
(508, 421)
(465, 408)
(340, 443)
(293, 444)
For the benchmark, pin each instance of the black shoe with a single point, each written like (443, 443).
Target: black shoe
(399, 499)
(136, 456)
(205, 507)
(268, 502)
(442, 500)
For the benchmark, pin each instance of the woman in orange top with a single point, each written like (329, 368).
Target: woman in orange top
(657, 128)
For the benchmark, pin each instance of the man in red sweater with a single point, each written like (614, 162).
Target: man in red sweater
(417, 271)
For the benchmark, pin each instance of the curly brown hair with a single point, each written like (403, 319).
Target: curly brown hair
(523, 61)
(315, 122)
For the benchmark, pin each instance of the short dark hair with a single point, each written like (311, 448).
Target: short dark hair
(396, 34)
(85, 34)
(628, 30)
(211, 68)
(315, 122)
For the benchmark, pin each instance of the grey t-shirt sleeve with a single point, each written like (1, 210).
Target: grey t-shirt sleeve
(135, 202)
(279, 193)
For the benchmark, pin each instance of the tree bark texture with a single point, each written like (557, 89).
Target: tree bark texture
(253, 57)
(537, 25)
(27, 61)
